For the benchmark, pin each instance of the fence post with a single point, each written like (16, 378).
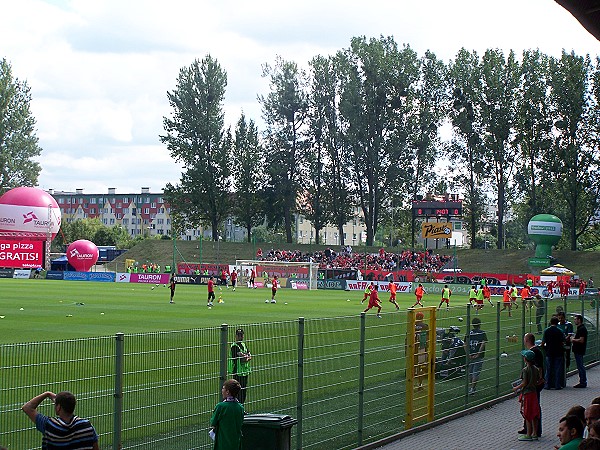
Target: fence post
(224, 349)
(300, 384)
(361, 377)
(523, 326)
(468, 352)
(118, 393)
(597, 305)
(498, 349)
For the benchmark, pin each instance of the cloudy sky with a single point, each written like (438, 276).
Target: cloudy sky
(99, 70)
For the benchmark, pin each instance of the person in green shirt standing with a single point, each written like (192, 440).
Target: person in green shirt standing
(227, 419)
(239, 363)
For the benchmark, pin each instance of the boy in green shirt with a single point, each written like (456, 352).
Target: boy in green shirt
(227, 418)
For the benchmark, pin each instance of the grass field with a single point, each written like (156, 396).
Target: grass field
(42, 310)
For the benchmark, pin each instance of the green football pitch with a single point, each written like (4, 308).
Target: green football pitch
(43, 310)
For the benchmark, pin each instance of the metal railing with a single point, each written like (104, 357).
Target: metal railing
(343, 378)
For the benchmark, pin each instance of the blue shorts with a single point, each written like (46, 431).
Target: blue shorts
(475, 368)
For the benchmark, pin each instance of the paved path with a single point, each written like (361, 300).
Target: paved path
(496, 427)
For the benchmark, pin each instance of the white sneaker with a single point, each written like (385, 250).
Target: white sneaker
(273, 301)
(267, 301)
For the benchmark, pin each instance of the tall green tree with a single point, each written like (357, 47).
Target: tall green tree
(429, 105)
(465, 149)
(248, 176)
(196, 137)
(18, 141)
(376, 80)
(574, 168)
(285, 112)
(533, 128)
(498, 103)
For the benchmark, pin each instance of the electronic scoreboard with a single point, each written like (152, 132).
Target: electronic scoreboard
(437, 208)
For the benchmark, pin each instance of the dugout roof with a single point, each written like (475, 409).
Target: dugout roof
(587, 12)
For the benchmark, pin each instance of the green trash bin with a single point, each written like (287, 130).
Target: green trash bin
(267, 432)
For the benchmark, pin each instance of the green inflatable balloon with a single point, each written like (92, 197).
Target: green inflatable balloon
(545, 230)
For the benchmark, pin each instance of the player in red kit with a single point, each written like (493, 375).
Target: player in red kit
(211, 292)
(374, 301)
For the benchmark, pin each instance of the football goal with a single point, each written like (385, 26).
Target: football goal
(305, 273)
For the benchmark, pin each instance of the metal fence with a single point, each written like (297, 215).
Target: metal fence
(343, 378)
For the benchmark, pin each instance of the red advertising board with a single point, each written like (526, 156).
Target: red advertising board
(21, 254)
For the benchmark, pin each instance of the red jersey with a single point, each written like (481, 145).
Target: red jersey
(506, 296)
(525, 292)
(275, 284)
(211, 285)
(419, 291)
(486, 292)
(373, 298)
(233, 275)
(392, 288)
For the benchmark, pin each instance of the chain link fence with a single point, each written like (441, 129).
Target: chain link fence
(343, 378)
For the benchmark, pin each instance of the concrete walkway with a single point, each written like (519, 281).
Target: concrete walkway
(496, 427)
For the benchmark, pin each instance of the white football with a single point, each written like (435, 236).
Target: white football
(267, 301)
(460, 319)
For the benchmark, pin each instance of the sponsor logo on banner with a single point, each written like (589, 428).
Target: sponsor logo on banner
(75, 276)
(156, 278)
(6, 273)
(54, 275)
(355, 285)
(436, 230)
(107, 277)
(122, 277)
(297, 284)
(22, 273)
(29, 218)
(331, 284)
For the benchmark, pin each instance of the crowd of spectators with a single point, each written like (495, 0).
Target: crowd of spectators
(421, 261)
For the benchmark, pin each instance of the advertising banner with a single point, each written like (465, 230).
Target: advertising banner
(22, 273)
(155, 278)
(75, 276)
(106, 277)
(122, 277)
(339, 285)
(436, 230)
(54, 275)
(34, 219)
(192, 279)
(6, 273)
(355, 285)
(21, 254)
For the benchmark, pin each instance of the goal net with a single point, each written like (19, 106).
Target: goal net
(300, 273)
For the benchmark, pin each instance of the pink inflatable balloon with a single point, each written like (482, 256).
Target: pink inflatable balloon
(82, 255)
(29, 209)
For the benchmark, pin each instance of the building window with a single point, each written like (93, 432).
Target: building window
(112, 221)
(160, 200)
(161, 210)
(125, 221)
(125, 200)
(301, 219)
(61, 201)
(92, 210)
(118, 215)
(146, 210)
(93, 200)
(153, 205)
(125, 210)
